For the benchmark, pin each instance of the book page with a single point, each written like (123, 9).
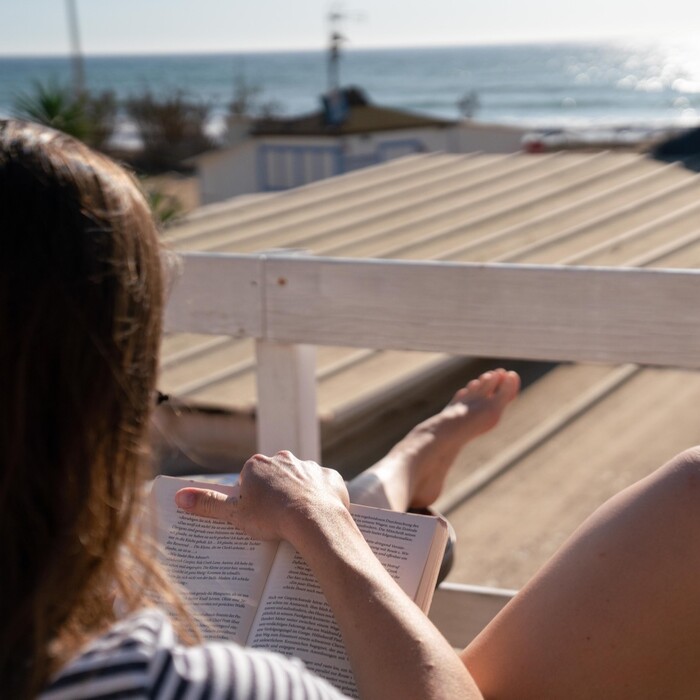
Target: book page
(401, 541)
(294, 617)
(222, 570)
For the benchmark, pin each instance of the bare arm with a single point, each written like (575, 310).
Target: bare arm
(395, 651)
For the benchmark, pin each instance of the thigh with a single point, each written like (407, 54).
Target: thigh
(616, 612)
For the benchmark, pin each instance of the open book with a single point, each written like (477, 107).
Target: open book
(263, 595)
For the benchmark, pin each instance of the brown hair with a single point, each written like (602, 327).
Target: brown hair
(80, 324)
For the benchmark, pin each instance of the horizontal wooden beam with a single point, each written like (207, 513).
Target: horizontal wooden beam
(511, 311)
(555, 313)
(217, 294)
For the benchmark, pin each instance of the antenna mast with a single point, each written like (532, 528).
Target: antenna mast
(335, 39)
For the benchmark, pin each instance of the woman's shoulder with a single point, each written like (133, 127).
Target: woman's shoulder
(116, 662)
(139, 657)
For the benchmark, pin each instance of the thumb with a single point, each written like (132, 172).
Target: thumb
(207, 503)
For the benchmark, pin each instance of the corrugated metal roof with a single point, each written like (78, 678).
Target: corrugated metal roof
(605, 208)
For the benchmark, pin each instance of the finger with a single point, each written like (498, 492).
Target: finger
(207, 503)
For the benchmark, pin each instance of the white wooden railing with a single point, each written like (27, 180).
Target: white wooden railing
(290, 303)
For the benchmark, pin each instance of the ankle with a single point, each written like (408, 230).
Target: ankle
(418, 439)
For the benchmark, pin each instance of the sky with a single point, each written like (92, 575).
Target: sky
(31, 27)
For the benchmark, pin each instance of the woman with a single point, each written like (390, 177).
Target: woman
(86, 610)
(81, 293)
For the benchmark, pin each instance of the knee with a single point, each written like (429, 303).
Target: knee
(686, 466)
(678, 481)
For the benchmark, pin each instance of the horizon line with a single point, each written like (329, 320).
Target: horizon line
(347, 49)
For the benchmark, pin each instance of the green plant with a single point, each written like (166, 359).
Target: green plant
(246, 103)
(244, 97)
(172, 128)
(166, 208)
(53, 105)
(100, 113)
(87, 117)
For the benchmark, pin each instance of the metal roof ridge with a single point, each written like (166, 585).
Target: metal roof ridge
(550, 214)
(458, 206)
(577, 229)
(580, 257)
(390, 209)
(426, 161)
(491, 215)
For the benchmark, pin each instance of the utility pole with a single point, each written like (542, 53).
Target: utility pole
(76, 53)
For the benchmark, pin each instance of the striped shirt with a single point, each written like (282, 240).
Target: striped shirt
(140, 658)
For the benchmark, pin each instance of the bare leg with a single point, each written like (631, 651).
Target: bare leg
(413, 472)
(616, 612)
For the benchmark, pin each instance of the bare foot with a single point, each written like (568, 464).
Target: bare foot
(432, 446)
(414, 471)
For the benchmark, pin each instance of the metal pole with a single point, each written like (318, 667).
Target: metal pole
(76, 53)
(335, 38)
(333, 64)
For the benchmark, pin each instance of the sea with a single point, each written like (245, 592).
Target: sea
(641, 85)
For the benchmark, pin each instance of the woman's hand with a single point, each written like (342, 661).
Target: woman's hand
(393, 648)
(277, 495)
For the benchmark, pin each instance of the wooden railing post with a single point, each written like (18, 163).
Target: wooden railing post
(287, 413)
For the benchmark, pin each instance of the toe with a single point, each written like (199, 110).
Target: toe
(508, 387)
(490, 382)
(473, 388)
(485, 386)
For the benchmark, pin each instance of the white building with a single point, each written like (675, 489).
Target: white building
(269, 155)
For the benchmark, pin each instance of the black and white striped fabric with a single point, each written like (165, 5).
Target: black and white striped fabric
(140, 658)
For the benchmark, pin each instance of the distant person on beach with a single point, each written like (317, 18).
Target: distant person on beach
(88, 612)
